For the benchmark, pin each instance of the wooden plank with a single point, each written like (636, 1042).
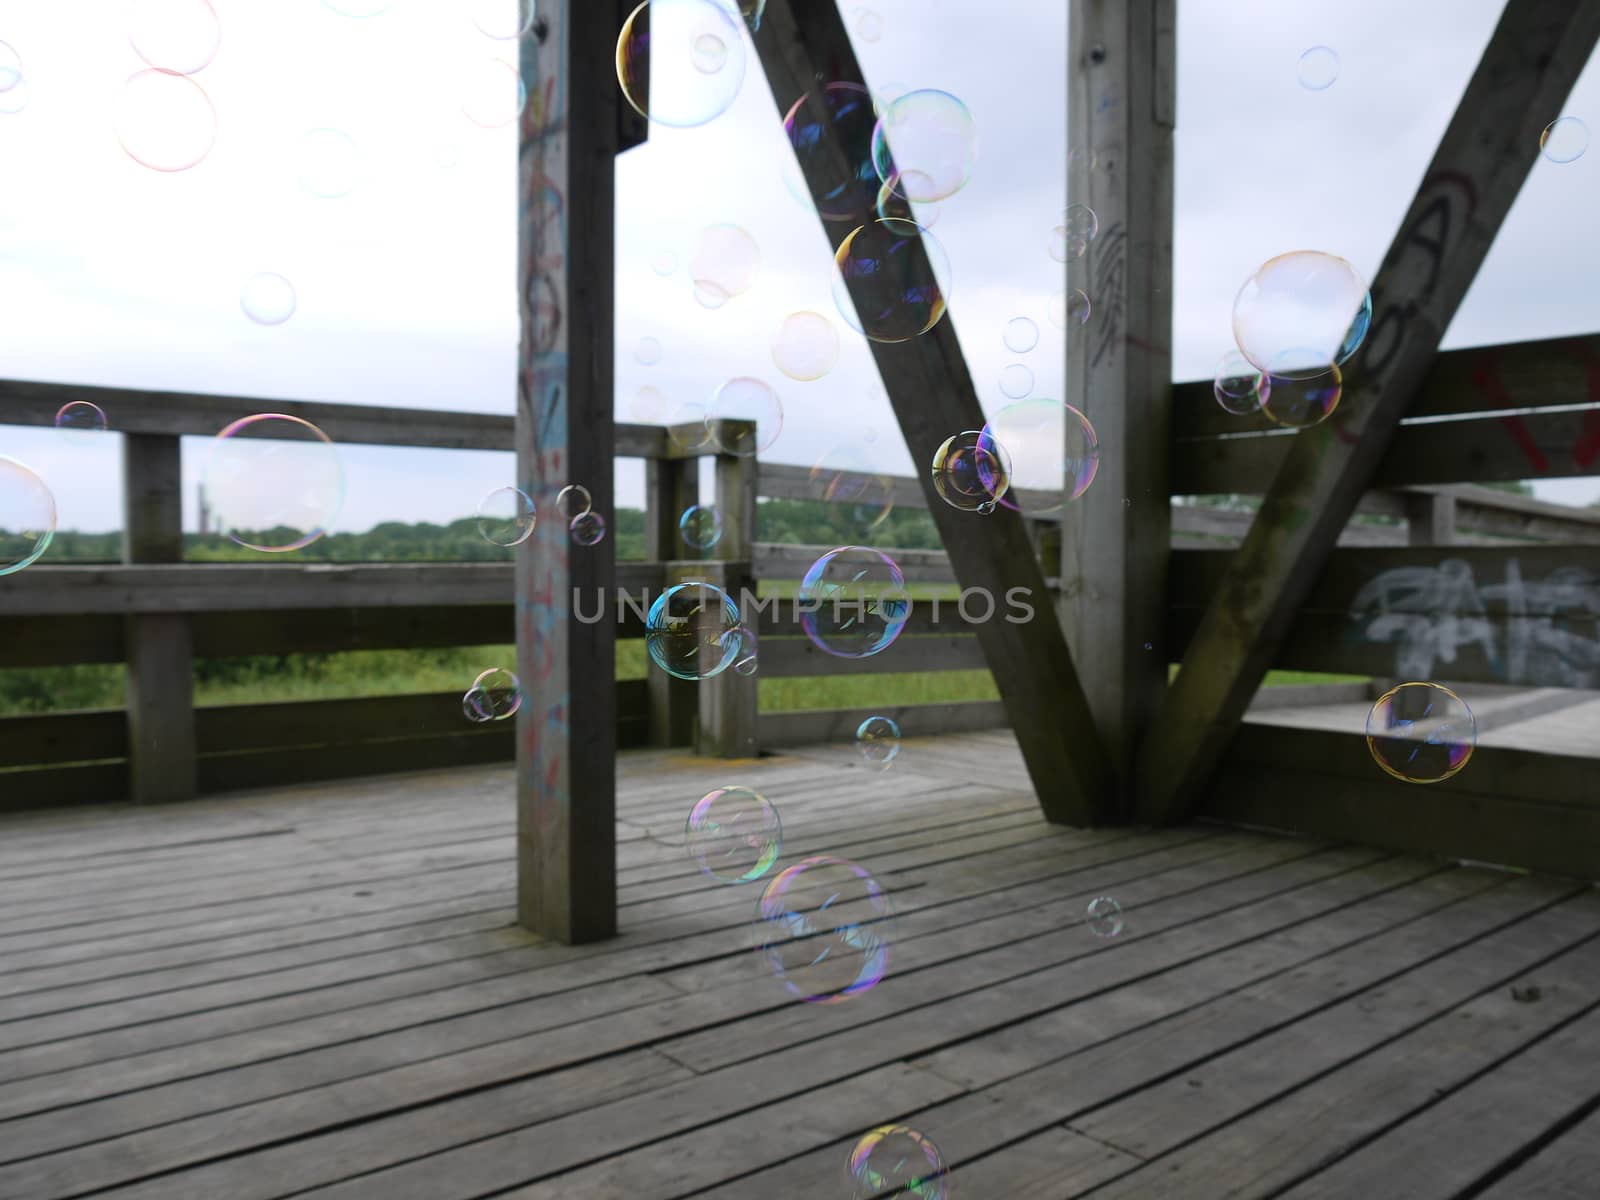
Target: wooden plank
(1556, 1170)
(1115, 538)
(672, 485)
(75, 737)
(1431, 519)
(932, 394)
(1487, 510)
(730, 702)
(915, 720)
(788, 561)
(60, 787)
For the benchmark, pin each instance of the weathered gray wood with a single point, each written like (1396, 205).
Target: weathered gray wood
(1431, 519)
(932, 394)
(1530, 64)
(730, 702)
(566, 728)
(784, 562)
(1557, 1170)
(1115, 538)
(671, 485)
(915, 720)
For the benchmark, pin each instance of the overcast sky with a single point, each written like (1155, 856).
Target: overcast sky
(111, 273)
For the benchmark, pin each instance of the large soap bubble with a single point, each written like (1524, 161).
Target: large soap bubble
(27, 516)
(853, 602)
(691, 631)
(680, 62)
(1301, 314)
(274, 483)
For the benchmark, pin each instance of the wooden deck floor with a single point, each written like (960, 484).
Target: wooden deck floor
(319, 992)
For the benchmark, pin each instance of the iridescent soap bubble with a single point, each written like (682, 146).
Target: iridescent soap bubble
(492, 93)
(806, 347)
(175, 35)
(165, 120)
(1016, 381)
(891, 203)
(14, 99)
(866, 25)
(1312, 304)
(847, 476)
(664, 263)
(749, 400)
(746, 658)
(734, 834)
(1421, 732)
(78, 417)
(688, 628)
(725, 264)
(573, 501)
(971, 472)
(1104, 917)
(327, 163)
(824, 926)
(497, 693)
(359, 8)
(1021, 335)
(824, 119)
(649, 405)
(853, 602)
(701, 526)
(1053, 455)
(267, 298)
(887, 289)
(878, 740)
(1078, 307)
(503, 20)
(587, 529)
(928, 136)
(10, 67)
(687, 429)
(680, 62)
(1564, 140)
(507, 517)
(1239, 387)
(27, 516)
(648, 352)
(1297, 401)
(1070, 239)
(1318, 68)
(274, 482)
(475, 705)
(894, 1160)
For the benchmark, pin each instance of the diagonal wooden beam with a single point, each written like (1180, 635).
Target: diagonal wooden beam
(1529, 66)
(803, 44)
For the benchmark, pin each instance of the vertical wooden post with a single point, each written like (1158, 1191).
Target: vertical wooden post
(161, 743)
(1116, 537)
(670, 486)
(1430, 519)
(567, 727)
(729, 702)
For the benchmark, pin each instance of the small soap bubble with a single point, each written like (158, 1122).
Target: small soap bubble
(1021, 335)
(573, 501)
(664, 263)
(734, 835)
(687, 428)
(971, 471)
(1421, 732)
(1078, 307)
(1046, 444)
(165, 121)
(878, 740)
(1564, 140)
(708, 53)
(507, 517)
(328, 163)
(701, 526)
(929, 137)
(1318, 68)
(648, 352)
(587, 529)
(496, 692)
(725, 264)
(807, 346)
(885, 288)
(866, 25)
(1300, 312)
(27, 516)
(680, 62)
(14, 99)
(649, 405)
(1070, 239)
(849, 479)
(268, 298)
(475, 705)
(1297, 401)
(823, 927)
(690, 631)
(853, 602)
(895, 1160)
(79, 417)
(1104, 917)
(745, 660)
(1016, 381)
(175, 35)
(492, 93)
(274, 483)
(10, 67)
(503, 20)
(749, 400)
(1239, 387)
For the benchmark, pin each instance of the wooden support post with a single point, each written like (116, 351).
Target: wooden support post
(160, 646)
(670, 486)
(1116, 537)
(802, 43)
(730, 702)
(1527, 69)
(1430, 518)
(566, 729)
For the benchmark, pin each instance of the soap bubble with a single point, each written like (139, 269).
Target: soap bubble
(745, 660)
(165, 120)
(503, 20)
(848, 477)
(701, 526)
(78, 417)
(1021, 335)
(1049, 446)
(878, 739)
(853, 602)
(328, 163)
(687, 428)
(928, 137)
(1300, 313)
(1564, 140)
(587, 529)
(866, 25)
(1318, 68)
(475, 705)
(734, 834)
(1016, 381)
(648, 352)
(971, 471)
(745, 399)
(891, 203)
(649, 405)
(268, 298)
(1239, 387)
(1298, 402)
(895, 1160)
(1078, 308)
(492, 93)
(688, 628)
(680, 62)
(725, 263)
(823, 926)
(898, 293)
(1421, 732)
(274, 483)
(27, 516)
(573, 501)
(807, 346)
(15, 97)
(496, 693)
(175, 35)
(10, 67)
(1104, 917)
(507, 517)
(821, 121)
(1071, 238)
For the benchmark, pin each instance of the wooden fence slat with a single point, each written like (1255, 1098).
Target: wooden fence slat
(915, 720)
